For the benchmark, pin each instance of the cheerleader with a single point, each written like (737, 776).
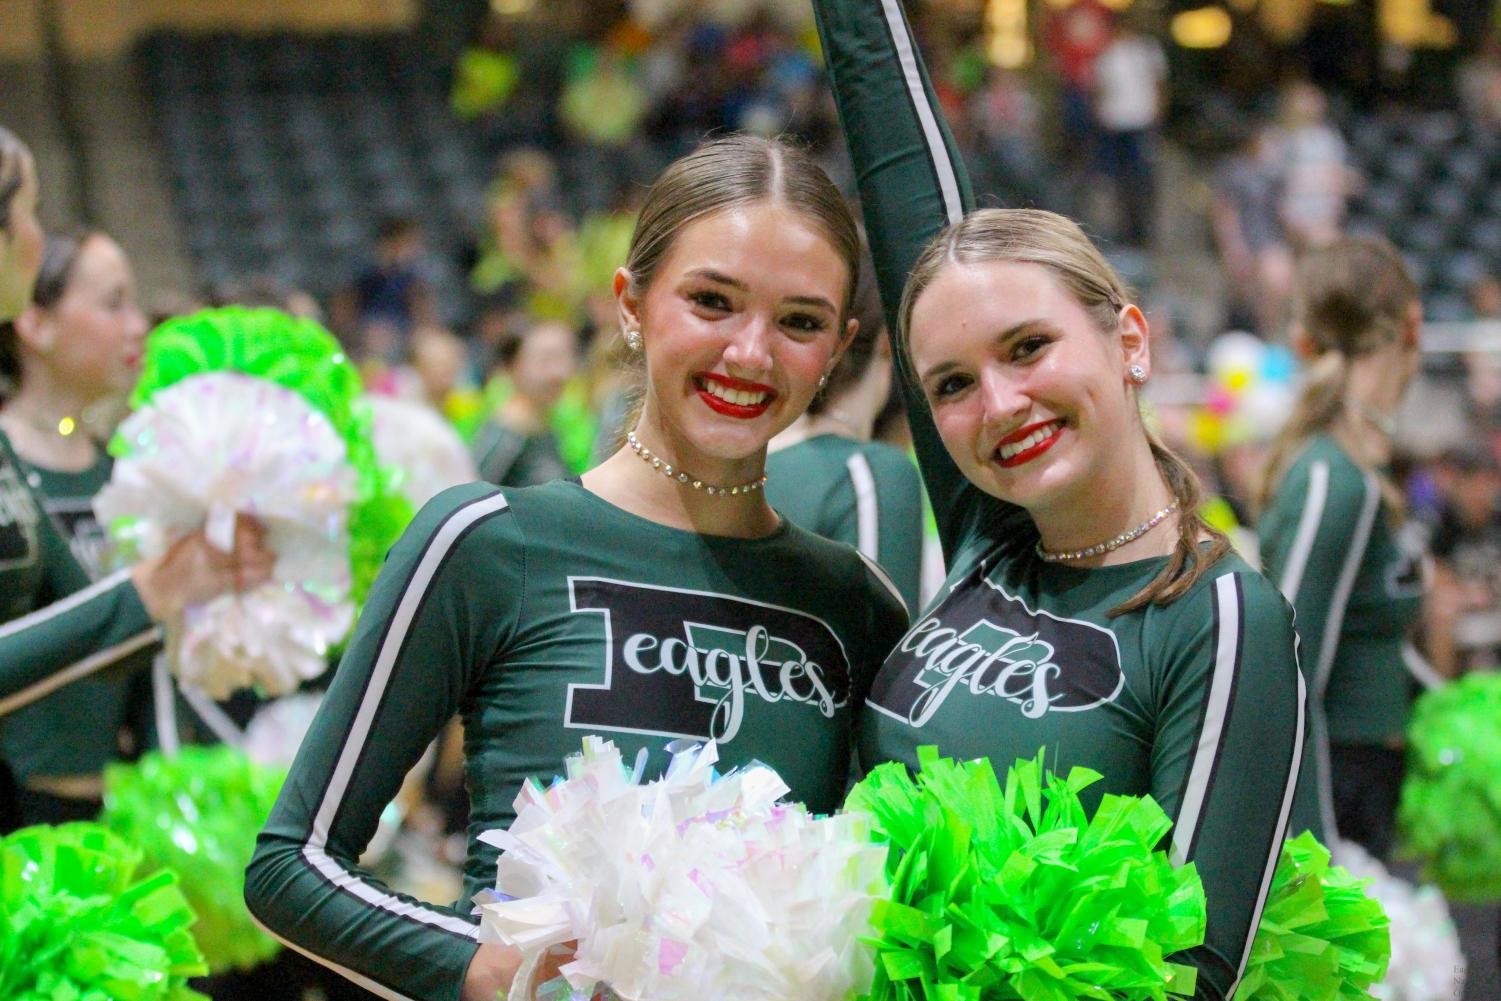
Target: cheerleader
(58, 626)
(657, 597)
(1089, 610)
(1330, 535)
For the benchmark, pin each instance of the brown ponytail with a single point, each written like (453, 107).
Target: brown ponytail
(1353, 297)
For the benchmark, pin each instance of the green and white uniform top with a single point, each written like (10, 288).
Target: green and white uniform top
(540, 615)
(73, 731)
(58, 626)
(1198, 703)
(864, 493)
(1327, 543)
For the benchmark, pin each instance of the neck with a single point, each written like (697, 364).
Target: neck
(36, 417)
(630, 482)
(1111, 504)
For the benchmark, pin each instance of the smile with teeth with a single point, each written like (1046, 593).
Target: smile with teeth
(738, 394)
(1034, 442)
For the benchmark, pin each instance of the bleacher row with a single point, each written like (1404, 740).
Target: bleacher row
(286, 150)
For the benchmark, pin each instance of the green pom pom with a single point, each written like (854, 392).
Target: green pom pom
(76, 923)
(1450, 812)
(198, 813)
(299, 355)
(1321, 938)
(1014, 893)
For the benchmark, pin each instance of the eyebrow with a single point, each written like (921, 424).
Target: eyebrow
(1025, 326)
(719, 277)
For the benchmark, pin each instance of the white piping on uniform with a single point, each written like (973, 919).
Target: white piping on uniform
(217, 719)
(880, 575)
(867, 512)
(1276, 852)
(343, 971)
(96, 661)
(948, 181)
(1221, 684)
(67, 604)
(164, 705)
(359, 732)
(1308, 530)
(1332, 625)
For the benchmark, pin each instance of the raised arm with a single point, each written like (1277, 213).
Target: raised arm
(912, 185)
(435, 620)
(1230, 733)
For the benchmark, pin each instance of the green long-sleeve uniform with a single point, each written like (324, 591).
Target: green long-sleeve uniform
(1198, 703)
(58, 627)
(865, 493)
(540, 615)
(74, 730)
(1326, 542)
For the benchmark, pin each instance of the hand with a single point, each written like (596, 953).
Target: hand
(493, 970)
(192, 570)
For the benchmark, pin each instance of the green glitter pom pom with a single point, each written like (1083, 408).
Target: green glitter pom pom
(1450, 812)
(77, 924)
(197, 813)
(297, 354)
(1002, 893)
(1321, 938)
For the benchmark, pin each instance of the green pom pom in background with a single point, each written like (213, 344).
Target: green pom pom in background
(1014, 893)
(76, 924)
(198, 813)
(1450, 812)
(297, 354)
(1321, 938)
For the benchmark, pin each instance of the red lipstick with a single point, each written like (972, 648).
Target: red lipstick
(744, 411)
(1027, 455)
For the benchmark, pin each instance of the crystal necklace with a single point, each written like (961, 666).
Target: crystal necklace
(1110, 544)
(666, 469)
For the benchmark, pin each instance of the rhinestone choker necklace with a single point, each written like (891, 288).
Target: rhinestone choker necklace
(1111, 544)
(666, 469)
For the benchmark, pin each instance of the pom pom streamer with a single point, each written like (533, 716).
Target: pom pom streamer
(1013, 893)
(415, 440)
(691, 887)
(197, 813)
(299, 355)
(221, 443)
(1427, 963)
(76, 924)
(1450, 811)
(1321, 937)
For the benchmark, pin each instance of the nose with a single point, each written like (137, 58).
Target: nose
(749, 349)
(1004, 397)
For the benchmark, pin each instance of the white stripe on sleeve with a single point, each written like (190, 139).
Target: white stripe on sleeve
(867, 512)
(1308, 530)
(948, 180)
(1221, 686)
(400, 626)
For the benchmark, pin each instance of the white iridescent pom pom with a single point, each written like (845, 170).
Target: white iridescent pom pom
(1426, 963)
(222, 443)
(695, 886)
(415, 439)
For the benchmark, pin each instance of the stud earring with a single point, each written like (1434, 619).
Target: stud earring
(823, 380)
(1137, 373)
(633, 338)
